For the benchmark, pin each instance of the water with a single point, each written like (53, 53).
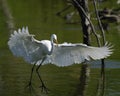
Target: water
(42, 21)
(108, 64)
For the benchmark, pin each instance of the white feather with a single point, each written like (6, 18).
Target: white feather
(67, 54)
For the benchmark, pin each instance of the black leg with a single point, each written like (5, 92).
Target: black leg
(44, 88)
(30, 82)
(31, 74)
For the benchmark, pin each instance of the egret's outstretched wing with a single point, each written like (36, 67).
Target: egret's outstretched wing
(22, 44)
(67, 54)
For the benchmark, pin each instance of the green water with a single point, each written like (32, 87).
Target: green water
(40, 17)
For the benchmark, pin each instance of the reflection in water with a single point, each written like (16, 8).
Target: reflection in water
(14, 72)
(113, 82)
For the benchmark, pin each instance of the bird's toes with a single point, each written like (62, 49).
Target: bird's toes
(29, 86)
(44, 88)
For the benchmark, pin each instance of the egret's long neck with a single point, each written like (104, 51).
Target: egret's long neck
(52, 44)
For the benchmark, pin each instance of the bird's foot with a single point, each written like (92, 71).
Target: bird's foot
(44, 88)
(31, 89)
(29, 86)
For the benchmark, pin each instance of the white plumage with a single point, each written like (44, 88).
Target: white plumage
(23, 44)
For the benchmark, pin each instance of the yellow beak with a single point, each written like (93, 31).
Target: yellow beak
(55, 41)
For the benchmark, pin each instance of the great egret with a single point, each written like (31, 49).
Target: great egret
(23, 44)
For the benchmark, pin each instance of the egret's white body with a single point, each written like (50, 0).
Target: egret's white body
(24, 45)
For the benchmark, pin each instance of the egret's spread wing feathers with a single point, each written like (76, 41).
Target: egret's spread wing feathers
(67, 54)
(23, 44)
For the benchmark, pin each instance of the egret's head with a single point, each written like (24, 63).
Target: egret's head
(54, 38)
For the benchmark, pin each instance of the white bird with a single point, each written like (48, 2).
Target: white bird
(23, 44)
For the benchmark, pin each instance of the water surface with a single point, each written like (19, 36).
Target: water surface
(40, 17)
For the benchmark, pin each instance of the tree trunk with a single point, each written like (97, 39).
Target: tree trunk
(86, 40)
